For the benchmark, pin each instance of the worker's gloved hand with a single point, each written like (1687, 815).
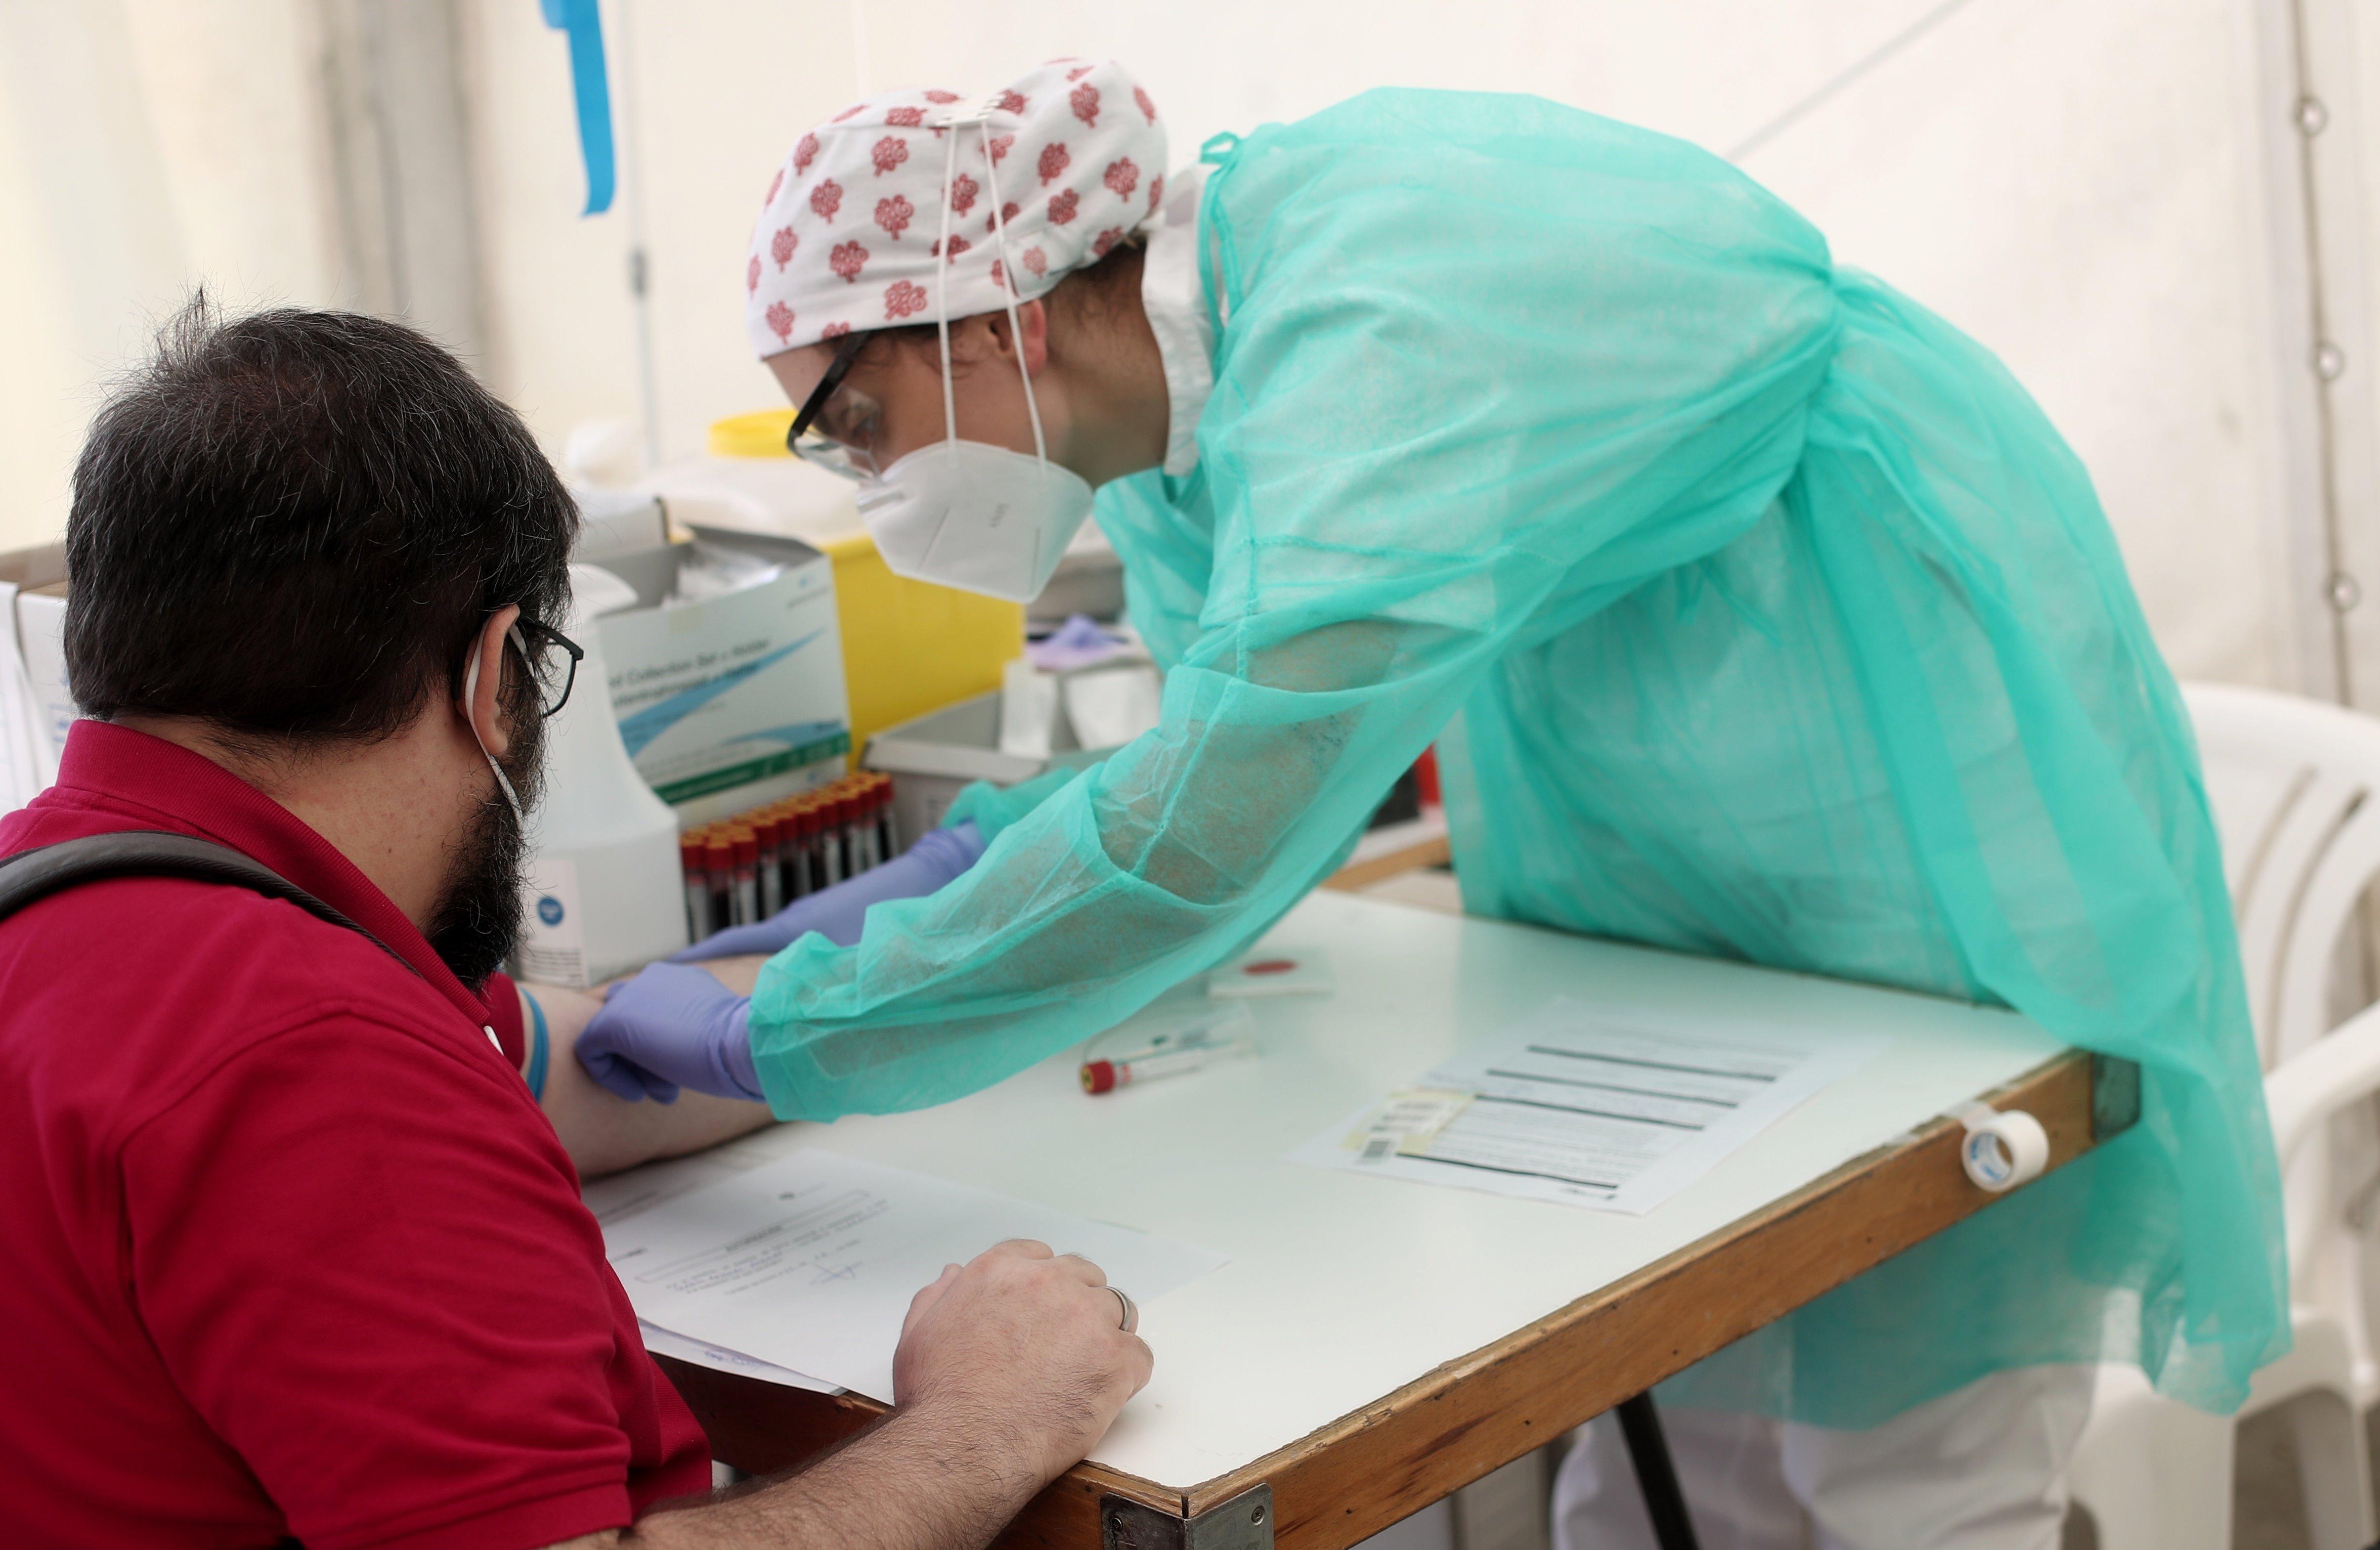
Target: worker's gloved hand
(838, 914)
(672, 1027)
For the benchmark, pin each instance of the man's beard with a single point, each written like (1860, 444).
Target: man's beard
(477, 920)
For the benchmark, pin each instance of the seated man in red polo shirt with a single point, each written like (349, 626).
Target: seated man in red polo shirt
(293, 1254)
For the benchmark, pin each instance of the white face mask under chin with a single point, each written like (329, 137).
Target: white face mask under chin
(967, 514)
(972, 515)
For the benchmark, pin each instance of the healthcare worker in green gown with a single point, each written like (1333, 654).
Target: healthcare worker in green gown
(1755, 613)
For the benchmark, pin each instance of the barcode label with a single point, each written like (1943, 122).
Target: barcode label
(1379, 1149)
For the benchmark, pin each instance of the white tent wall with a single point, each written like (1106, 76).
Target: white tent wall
(279, 151)
(144, 145)
(2080, 186)
(2075, 185)
(2329, 139)
(2105, 193)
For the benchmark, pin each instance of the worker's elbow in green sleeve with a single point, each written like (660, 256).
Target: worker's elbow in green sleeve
(993, 808)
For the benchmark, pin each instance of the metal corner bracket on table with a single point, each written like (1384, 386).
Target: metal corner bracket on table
(1245, 1522)
(2114, 1095)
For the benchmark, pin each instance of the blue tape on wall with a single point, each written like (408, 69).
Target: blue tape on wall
(584, 23)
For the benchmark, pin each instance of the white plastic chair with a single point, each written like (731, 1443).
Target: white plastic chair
(2295, 787)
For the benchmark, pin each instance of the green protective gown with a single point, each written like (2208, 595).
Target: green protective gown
(1761, 614)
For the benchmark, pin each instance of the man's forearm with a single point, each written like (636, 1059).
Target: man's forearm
(913, 1482)
(602, 1132)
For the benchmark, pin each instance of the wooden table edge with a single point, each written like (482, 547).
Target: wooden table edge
(1357, 876)
(1470, 1416)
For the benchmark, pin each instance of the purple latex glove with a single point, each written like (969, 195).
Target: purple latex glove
(672, 1027)
(840, 913)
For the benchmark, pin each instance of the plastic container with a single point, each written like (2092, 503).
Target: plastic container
(605, 891)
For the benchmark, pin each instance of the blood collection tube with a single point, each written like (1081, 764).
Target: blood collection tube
(718, 876)
(829, 808)
(879, 808)
(789, 851)
(796, 868)
(797, 850)
(862, 826)
(772, 880)
(804, 880)
(746, 905)
(854, 857)
(888, 833)
(697, 887)
(1106, 1076)
(828, 814)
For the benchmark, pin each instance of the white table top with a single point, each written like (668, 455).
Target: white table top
(1342, 1288)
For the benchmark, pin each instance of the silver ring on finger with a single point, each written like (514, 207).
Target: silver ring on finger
(1128, 1317)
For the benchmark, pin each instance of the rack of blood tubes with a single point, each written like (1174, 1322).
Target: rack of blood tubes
(746, 868)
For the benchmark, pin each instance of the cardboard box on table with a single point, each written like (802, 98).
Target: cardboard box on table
(724, 704)
(734, 700)
(908, 646)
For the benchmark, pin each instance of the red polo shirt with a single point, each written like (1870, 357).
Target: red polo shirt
(290, 1251)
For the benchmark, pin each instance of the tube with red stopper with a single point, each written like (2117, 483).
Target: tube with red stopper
(697, 886)
(1106, 1076)
(770, 834)
(746, 905)
(719, 877)
(844, 836)
(862, 826)
(800, 876)
(888, 832)
(828, 814)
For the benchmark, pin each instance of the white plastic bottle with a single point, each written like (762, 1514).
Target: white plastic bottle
(605, 894)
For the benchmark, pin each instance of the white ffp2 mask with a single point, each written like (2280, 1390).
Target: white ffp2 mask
(968, 513)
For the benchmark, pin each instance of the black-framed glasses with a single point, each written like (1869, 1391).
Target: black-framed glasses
(850, 455)
(554, 672)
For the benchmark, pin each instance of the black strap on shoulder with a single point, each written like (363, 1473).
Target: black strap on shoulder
(146, 853)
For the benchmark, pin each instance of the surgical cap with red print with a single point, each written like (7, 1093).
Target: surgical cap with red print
(850, 236)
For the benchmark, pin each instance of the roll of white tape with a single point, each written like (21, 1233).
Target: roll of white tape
(2002, 1148)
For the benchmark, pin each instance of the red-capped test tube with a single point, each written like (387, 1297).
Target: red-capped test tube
(848, 804)
(888, 833)
(871, 832)
(770, 832)
(805, 879)
(828, 814)
(1106, 1076)
(746, 905)
(697, 886)
(719, 877)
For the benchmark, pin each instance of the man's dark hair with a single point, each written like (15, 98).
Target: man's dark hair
(292, 524)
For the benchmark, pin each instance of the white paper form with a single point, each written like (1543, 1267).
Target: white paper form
(641, 1189)
(667, 1342)
(1616, 1109)
(809, 1263)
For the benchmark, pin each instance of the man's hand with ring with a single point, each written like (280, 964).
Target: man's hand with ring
(1024, 1344)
